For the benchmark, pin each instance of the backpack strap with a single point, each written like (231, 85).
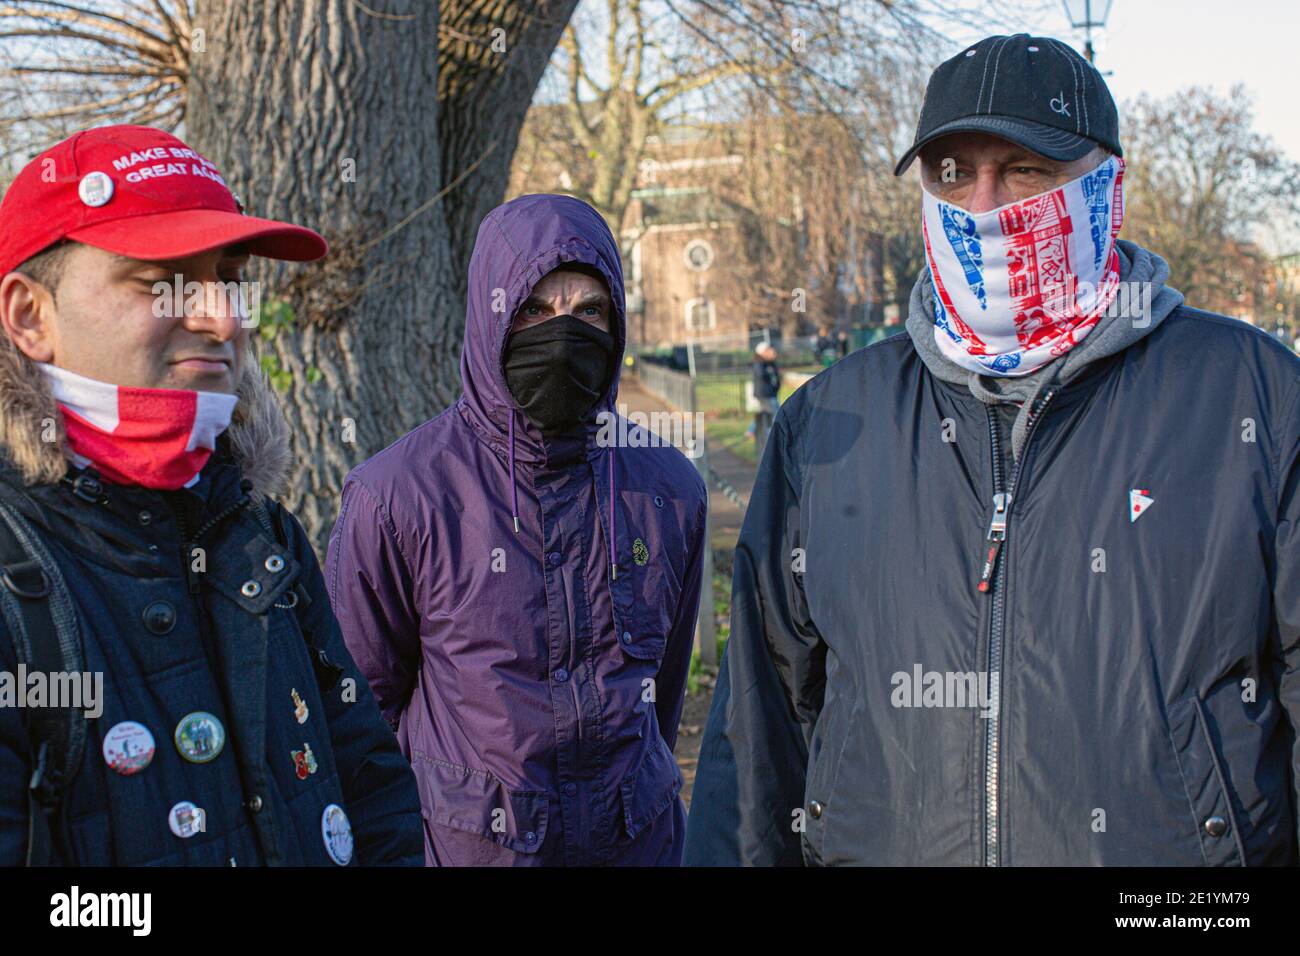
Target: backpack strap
(42, 624)
(272, 521)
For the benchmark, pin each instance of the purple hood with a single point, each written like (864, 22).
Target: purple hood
(517, 244)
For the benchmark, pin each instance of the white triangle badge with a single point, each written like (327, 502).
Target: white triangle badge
(1139, 500)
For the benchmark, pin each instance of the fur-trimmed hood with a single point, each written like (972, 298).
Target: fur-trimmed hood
(32, 434)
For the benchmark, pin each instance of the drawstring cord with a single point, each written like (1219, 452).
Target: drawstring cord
(514, 487)
(613, 505)
(613, 508)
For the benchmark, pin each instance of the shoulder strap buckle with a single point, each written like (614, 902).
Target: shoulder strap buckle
(26, 579)
(87, 487)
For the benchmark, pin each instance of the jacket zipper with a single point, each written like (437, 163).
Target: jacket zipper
(990, 583)
(190, 542)
(183, 525)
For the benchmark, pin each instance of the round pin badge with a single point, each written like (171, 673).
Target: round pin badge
(185, 820)
(128, 747)
(95, 188)
(200, 737)
(336, 831)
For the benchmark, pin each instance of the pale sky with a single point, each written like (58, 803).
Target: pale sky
(1160, 46)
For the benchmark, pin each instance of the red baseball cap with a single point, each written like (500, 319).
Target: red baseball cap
(139, 192)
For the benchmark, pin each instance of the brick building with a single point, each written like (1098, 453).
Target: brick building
(689, 261)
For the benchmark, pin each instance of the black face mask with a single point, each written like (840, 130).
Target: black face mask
(558, 370)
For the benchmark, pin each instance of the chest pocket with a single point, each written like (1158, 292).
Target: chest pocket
(653, 554)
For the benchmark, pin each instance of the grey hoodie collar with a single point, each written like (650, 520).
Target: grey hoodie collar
(1113, 334)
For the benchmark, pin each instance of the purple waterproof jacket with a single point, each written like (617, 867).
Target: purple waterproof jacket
(535, 689)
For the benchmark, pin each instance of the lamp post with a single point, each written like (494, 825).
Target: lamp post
(1081, 13)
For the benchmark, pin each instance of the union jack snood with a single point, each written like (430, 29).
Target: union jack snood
(153, 437)
(1021, 285)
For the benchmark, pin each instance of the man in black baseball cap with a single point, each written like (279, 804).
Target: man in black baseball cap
(1022, 586)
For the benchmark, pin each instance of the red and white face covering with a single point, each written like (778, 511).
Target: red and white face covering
(153, 437)
(1018, 286)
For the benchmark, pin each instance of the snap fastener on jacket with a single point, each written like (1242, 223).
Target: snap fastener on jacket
(659, 501)
(815, 808)
(159, 617)
(554, 558)
(251, 589)
(275, 564)
(1216, 826)
(570, 789)
(530, 837)
(627, 637)
(561, 675)
(145, 517)
(255, 803)
(87, 488)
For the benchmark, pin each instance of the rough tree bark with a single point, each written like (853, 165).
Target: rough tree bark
(388, 126)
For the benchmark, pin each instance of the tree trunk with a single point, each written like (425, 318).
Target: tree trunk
(351, 118)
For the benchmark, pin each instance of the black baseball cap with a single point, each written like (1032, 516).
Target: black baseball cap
(1036, 92)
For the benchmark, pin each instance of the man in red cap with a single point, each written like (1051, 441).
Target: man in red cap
(173, 616)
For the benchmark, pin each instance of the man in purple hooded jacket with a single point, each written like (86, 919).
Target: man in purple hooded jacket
(534, 681)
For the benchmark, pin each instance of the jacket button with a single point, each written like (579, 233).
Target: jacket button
(275, 564)
(570, 789)
(561, 675)
(159, 617)
(627, 637)
(1216, 826)
(145, 517)
(530, 837)
(255, 803)
(815, 808)
(659, 501)
(251, 589)
(554, 558)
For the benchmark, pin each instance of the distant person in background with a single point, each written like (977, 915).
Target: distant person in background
(822, 340)
(842, 343)
(767, 386)
(825, 347)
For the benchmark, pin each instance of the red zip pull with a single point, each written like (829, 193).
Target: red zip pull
(997, 534)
